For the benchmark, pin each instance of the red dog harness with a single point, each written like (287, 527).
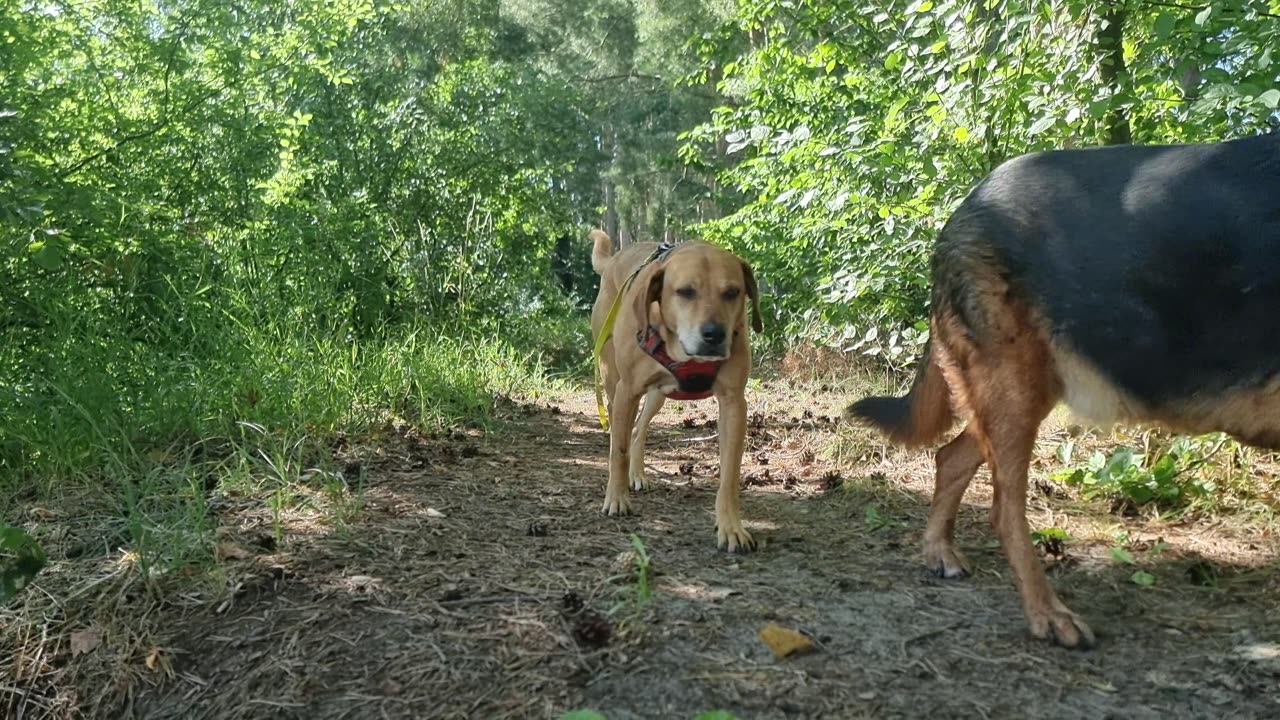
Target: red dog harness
(694, 378)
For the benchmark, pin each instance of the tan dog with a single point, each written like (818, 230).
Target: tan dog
(683, 315)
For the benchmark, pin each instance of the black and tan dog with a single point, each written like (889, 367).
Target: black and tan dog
(680, 332)
(1135, 283)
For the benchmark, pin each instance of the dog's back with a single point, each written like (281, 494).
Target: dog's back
(1159, 266)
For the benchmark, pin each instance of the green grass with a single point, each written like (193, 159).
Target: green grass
(132, 435)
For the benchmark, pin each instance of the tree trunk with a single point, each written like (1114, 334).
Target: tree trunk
(1114, 73)
(989, 18)
(608, 139)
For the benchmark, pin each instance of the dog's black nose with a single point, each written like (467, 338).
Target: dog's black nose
(712, 333)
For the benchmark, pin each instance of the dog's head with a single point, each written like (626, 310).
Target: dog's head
(697, 298)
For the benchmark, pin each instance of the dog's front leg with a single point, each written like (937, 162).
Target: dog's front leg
(653, 401)
(622, 416)
(730, 535)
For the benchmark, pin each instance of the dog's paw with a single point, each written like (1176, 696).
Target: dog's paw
(945, 561)
(618, 504)
(732, 537)
(1062, 627)
(639, 481)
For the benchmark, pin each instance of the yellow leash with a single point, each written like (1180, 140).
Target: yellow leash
(606, 330)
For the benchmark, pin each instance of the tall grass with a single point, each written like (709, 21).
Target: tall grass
(134, 430)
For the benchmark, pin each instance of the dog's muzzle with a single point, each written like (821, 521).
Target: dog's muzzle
(709, 344)
(694, 377)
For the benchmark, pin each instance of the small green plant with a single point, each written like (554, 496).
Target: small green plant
(877, 520)
(1049, 536)
(1132, 479)
(1124, 557)
(345, 501)
(1121, 555)
(1052, 541)
(1143, 578)
(21, 559)
(1065, 451)
(643, 570)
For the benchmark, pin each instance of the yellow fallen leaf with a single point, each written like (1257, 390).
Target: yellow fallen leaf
(159, 661)
(784, 642)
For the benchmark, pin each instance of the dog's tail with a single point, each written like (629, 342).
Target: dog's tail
(601, 250)
(919, 418)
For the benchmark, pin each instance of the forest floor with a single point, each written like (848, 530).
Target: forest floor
(473, 576)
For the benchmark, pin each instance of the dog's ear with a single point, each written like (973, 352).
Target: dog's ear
(647, 295)
(753, 292)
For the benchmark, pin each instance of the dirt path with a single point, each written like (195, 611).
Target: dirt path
(478, 580)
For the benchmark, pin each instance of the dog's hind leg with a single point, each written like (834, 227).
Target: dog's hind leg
(653, 402)
(957, 461)
(622, 416)
(1011, 391)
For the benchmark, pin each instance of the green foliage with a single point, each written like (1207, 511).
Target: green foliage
(637, 593)
(855, 127)
(21, 559)
(1124, 557)
(1121, 555)
(1142, 578)
(643, 571)
(256, 215)
(1052, 540)
(1133, 480)
(257, 226)
(875, 519)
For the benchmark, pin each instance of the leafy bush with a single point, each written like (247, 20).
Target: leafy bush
(1133, 480)
(855, 127)
(21, 558)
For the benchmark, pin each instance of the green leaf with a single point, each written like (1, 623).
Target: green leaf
(1165, 469)
(717, 715)
(46, 254)
(1121, 555)
(583, 715)
(21, 559)
(1164, 25)
(1042, 124)
(1270, 98)
(1064, 451)
(1143, 578)
(1202, 17)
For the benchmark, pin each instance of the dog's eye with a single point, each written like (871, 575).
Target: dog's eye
(686, 292)
(732, 293)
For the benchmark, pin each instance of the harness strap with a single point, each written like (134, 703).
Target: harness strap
(694, 378)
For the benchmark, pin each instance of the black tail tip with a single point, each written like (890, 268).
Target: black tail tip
(888, 414)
